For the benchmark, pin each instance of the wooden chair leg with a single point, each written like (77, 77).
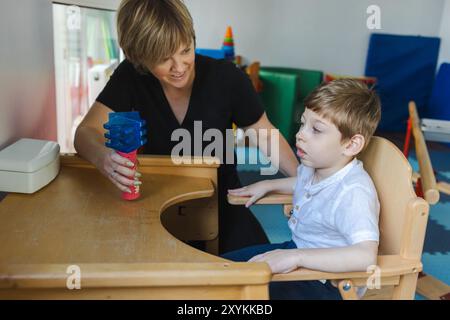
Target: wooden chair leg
(406, 289)
(347, 290)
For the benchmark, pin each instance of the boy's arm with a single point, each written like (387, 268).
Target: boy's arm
(284, 185)
(353, 258)
(258, 190)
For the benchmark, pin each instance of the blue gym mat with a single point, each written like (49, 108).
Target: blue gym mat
(439, 105)
(405, 67)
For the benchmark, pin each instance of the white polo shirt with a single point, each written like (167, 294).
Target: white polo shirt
(339, 211)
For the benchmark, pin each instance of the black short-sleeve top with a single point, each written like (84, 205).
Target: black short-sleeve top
(222, 94)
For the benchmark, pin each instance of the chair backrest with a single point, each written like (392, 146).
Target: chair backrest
(392, 176)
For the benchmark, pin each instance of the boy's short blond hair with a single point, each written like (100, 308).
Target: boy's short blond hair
(153, 30)
(349, 104)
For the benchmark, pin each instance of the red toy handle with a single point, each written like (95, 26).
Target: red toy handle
(132, 156)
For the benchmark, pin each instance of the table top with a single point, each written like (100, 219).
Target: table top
(80, 219)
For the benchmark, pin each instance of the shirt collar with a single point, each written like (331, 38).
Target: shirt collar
(338, 176)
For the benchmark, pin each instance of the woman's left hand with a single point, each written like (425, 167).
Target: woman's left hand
(280, 260)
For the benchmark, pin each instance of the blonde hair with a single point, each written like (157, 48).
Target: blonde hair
(152, 30)
(349, 104)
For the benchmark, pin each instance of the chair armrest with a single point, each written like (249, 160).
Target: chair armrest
(388, 266)
(274, 198)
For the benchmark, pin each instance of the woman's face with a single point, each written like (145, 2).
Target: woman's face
(178, 70)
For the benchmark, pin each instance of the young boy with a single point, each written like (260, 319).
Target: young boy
(334, 222)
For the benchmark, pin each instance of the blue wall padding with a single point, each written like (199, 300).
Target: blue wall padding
(439, 106)
(405, 67)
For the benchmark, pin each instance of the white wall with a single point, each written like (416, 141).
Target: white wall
(27, 91)
(445, 34)
(328, 35)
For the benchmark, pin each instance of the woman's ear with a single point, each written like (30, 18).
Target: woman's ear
(354, 145)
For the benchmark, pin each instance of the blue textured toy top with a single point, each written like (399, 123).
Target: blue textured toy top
(125, 131)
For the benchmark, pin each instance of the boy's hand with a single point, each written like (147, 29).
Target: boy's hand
(255, 191)
(280, 261)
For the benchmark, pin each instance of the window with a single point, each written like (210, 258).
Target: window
(86, 53)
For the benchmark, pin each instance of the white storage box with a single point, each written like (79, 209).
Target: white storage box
(436, 130)
(28, 165)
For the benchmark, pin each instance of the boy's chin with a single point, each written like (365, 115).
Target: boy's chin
(308, 163)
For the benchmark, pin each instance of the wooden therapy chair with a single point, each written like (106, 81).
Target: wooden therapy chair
(403, 221)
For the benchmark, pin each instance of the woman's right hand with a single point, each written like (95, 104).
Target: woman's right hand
(255, 191)
(120, 171)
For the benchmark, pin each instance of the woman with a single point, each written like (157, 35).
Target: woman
(171, 87)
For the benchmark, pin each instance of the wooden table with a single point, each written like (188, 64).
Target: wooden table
(77, 230)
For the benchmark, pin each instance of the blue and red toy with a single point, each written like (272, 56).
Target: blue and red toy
(126, 134)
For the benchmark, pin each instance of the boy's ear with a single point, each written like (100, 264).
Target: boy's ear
(354, 145)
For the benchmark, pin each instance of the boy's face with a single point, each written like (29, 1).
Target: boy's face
(318, 142)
